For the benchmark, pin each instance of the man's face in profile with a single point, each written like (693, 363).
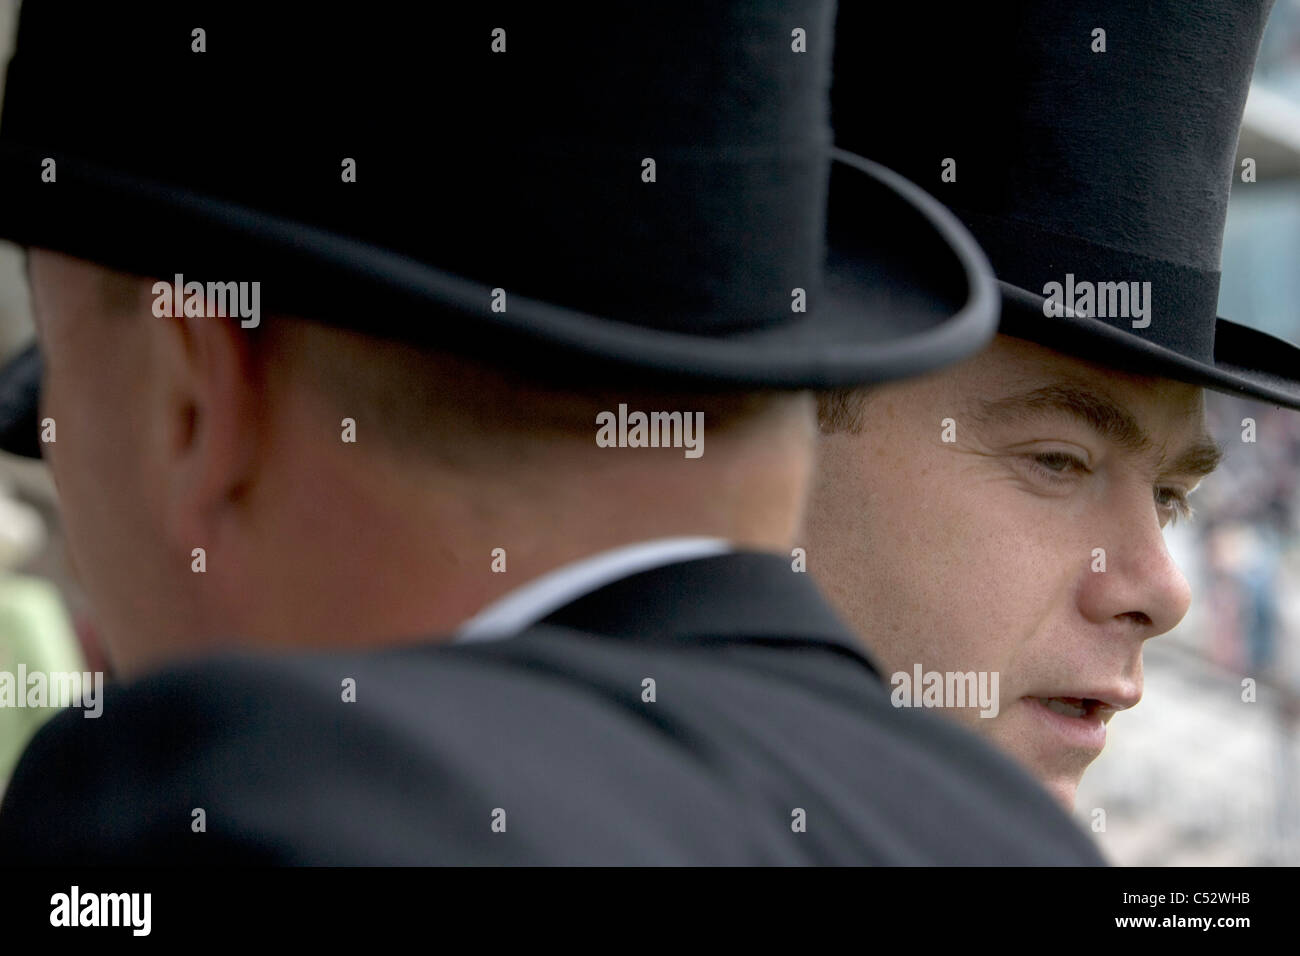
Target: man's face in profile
(980, 553)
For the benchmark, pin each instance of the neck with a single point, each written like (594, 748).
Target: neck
(386, 553)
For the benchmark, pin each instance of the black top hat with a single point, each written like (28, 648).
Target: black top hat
(1080, 157)
(635, 194)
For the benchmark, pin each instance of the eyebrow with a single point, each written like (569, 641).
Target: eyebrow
(1199, 460)
(1109, 420)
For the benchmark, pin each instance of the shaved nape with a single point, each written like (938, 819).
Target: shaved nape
(425, 398)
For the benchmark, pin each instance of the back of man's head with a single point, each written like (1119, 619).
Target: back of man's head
(295, 483)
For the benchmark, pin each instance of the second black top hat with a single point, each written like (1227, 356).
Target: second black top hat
(1088, 146)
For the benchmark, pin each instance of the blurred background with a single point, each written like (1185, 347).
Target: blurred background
(1194, 774)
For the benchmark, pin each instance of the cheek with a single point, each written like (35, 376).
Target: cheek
(954, 572)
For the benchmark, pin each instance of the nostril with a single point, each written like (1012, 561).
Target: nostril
(1137, 617)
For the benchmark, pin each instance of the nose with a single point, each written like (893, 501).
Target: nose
(1141, 585)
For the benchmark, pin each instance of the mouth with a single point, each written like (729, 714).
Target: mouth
(1075, 707)
(1078, 722)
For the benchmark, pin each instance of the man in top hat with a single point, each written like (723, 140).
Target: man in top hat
(1003, 518)
(503, 456)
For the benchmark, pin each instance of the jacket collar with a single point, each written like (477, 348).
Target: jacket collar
(741, 597)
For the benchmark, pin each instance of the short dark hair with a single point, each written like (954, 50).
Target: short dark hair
(841, 409)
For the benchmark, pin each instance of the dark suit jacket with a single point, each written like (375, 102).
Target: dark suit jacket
(765, 713)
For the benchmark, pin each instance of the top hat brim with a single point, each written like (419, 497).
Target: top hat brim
(1247, 362)
(907, 290)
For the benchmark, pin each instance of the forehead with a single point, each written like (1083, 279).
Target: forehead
(1015, 378)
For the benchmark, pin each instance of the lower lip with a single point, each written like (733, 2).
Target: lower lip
(1086, 733)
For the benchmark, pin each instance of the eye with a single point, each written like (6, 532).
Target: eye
(1056, 465)
(1172, 504)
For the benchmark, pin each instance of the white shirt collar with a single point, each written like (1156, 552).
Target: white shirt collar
(530, 602)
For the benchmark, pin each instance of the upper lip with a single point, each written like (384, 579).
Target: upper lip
(1112, 698)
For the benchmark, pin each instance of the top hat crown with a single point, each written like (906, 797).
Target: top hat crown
(1082, 143)
(526, 181)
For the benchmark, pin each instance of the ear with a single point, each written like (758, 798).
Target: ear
(207, 421)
